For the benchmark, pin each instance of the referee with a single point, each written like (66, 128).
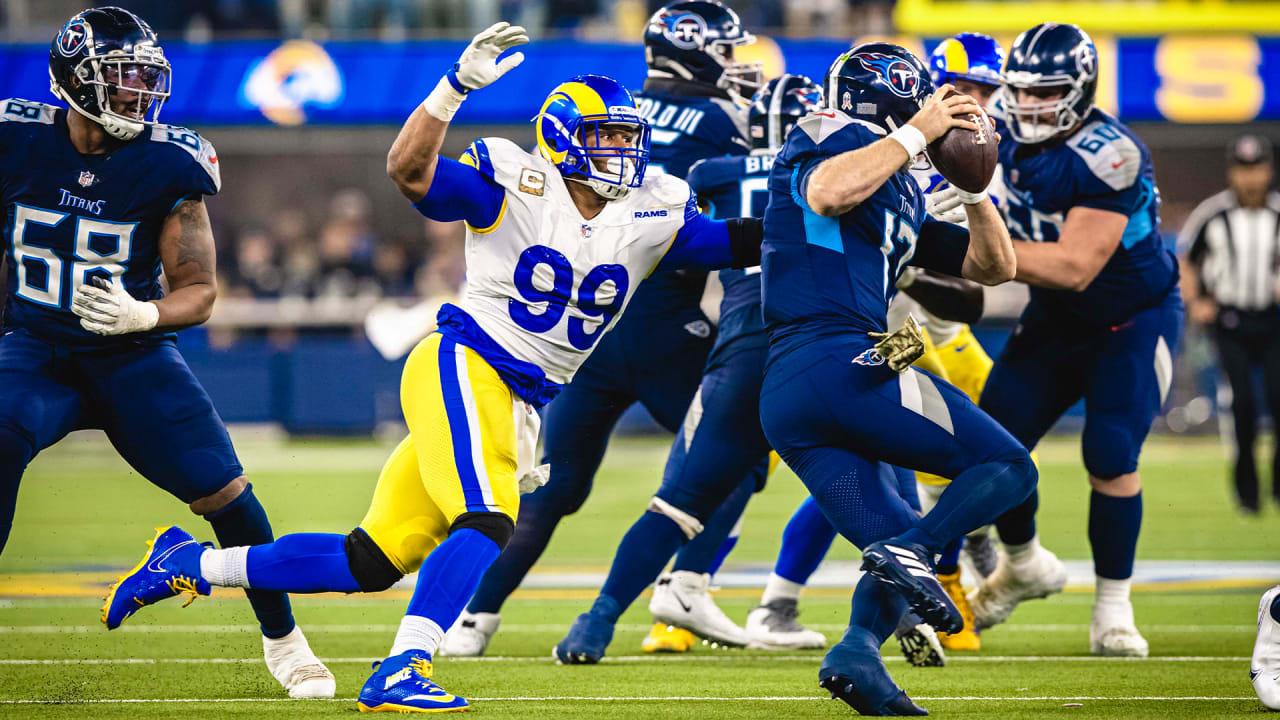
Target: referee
(1230, 283)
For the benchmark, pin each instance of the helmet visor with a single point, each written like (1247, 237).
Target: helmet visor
(129, 86)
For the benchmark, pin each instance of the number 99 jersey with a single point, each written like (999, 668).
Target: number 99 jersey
(543, 282)
(69, 217)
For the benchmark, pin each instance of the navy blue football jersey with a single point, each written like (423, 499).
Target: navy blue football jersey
(1105, 166)
(70, 217)
(828, 276)
(732, 187)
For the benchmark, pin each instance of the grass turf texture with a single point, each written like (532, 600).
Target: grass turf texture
(83, 512)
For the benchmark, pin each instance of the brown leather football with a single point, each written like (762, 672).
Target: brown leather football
(967, 159)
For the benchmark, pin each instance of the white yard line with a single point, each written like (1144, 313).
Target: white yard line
(726, 656)
(659, 698)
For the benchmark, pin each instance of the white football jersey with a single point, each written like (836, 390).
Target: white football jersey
(544, 282)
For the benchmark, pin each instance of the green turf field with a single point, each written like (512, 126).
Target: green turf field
(83, 517)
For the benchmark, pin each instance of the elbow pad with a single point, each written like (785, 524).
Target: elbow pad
(745, 237)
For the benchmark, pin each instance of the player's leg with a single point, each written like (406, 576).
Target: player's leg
(1236, 359)
(774, 623)
(1130, 381)
(163, 424)
(38, 406)
(1264, 667)
(576, 430)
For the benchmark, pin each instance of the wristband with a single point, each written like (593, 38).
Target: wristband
(452, 77)
(911, 140)
(969, 198)
(444, 101)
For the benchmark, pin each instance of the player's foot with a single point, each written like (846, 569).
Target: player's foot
(1038, 576)
(683, 599)
(861, 681)
(1264, 669)
(909, 569)
(1113, 633)
(402, 684)
(470, 635)
(291, 662)
(980, 550)
(170, 567)
(775, 627)
(586, 642)
(966, 639)
(919, 642)
(664, 638)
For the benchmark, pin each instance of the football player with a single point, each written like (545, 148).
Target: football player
(656, 354)
(720, 441)
(1104, 318)
(557, 242)
(839, 396)
(99, 198)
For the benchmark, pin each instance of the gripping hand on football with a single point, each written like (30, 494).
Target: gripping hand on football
(108, 309)
(901, 347)
(479, 66)
(942, 113)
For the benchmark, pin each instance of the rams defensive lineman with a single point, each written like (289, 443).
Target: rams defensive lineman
(557, 242)
(656, 353)
(98, 199)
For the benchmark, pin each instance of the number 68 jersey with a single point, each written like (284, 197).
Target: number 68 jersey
(69, 217)
(544, 283)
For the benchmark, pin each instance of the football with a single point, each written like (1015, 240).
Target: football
(967, 159)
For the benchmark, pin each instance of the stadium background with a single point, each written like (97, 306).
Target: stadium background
(303, 97)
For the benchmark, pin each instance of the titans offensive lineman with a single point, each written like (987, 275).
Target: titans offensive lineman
(843, 221)
(656, 354)
(1102, 324)
(97, 200)
(557, 242)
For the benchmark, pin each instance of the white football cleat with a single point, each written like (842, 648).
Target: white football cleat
(1264, 669)
(1038, 576)
(682, 599)
(470, 634)
(292, 663)
(1112, 632)
(774, 627)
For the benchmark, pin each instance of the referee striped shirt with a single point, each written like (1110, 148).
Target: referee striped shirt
(1237, 250)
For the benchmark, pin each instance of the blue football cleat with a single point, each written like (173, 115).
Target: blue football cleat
(586, 642)
(858, 677)
(170, 567)
(909, 569)
(403, 684)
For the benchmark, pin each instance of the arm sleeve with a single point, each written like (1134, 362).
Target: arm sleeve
(1124, 201)
(941, 247)
(706, 244)
(461, 192)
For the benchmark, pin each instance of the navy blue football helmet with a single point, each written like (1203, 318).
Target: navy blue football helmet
(968, 56)
(109, 55)
(1050, 55)
(694, 40)
(777, 107)
(881, 83)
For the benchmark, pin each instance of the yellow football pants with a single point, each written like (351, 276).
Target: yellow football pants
(963, 363)
(460, 455)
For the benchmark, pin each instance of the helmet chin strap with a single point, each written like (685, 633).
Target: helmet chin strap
(606, 190)
(115, 125)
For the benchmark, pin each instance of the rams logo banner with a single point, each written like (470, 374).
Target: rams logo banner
(899, 77)
(297, 74)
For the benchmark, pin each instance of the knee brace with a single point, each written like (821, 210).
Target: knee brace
(245, 496)
(371, 567)
(687, 523)
(493, 525)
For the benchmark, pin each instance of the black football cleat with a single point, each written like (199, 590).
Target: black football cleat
(909, 569)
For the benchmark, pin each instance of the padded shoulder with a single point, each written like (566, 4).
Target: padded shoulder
(1108, 154)
(200, 150)
(667, 189)
(26, 111)
(507, 164)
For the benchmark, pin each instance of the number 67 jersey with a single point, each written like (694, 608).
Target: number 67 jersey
(544, 283)
(69, 217)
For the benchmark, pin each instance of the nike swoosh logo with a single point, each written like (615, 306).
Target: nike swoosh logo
(1115, 165)
(443, 698)
(962, 347)
(680, 600)
(1253, 675)
(153, 567)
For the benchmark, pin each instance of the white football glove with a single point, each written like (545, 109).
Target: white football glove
(108, 309)
(479, 67)
(944, 205)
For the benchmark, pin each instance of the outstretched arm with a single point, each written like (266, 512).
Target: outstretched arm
(707, 244)
(1088, 239)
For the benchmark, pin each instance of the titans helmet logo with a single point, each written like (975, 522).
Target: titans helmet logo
(73, 37)
(686, 31)
(1086, 59)
(899, 77)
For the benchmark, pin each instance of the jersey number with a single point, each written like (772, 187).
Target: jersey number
(557, 298)
(755, 196)
(89, 261)
(899, 247)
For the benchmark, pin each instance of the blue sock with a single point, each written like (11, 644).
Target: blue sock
(805, 541)
(949, 563)
(450, 575)
(302, 563)
(642, 554)
(975, 497)
(1113, 532)
(1275, 609)
(243, 522)
(1018, 526)
(876, 608)
(707, 551)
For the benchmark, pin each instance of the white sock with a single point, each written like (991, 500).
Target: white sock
(417, 633)
(1111, 592)
(780, 588)
(1019, 554)
(228, 567)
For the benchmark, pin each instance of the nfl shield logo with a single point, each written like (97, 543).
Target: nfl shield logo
(87, 178)
(586, 231)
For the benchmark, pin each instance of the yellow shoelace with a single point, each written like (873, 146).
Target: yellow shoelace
(184, 584)
(422, 666)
